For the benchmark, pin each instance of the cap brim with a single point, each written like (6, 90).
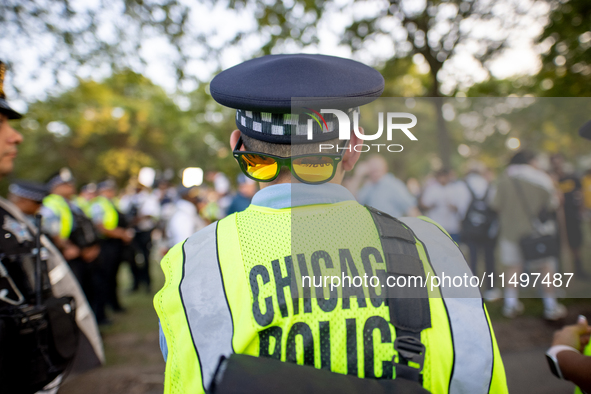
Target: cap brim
(585, 130)
(9, 112)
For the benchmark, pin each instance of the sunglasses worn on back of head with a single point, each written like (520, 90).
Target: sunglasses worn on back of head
(312, 168)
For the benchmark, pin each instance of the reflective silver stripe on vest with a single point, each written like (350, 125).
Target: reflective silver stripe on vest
(204, 300)
(473, 352)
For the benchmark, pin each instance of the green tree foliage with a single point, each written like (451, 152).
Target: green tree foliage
(115, 127)
(280, 23)
(64, 35)
(566, 63)
(435, 30)
(551, 125)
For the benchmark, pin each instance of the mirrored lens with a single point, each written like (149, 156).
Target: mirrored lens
(259, 167)
(313, 168)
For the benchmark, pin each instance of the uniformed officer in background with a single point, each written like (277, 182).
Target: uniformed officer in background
(186, 220)
(39, 295)
(142, 211)
(84, 199)
(27, 196)
(233, 287)
(114, 236)
(75, 236)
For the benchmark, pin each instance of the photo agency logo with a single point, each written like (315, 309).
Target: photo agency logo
(395, 122)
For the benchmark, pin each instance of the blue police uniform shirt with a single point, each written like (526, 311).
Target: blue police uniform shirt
(52, 222)
(239, 203)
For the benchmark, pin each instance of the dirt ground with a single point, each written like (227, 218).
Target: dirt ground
(135, 364)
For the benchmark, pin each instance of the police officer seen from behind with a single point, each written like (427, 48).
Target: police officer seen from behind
(40, 300)
(233, 288)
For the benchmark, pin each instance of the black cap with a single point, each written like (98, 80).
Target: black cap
(88, 188)
(265, 90)
(585, 130)
(33, 191)
(4, 107)
(106, 184)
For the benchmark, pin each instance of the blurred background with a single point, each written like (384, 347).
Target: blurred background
(118, 89)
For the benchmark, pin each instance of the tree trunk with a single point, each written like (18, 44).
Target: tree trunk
(442, 133)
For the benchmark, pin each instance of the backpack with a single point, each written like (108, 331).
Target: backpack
(480, 221)
(84, 233)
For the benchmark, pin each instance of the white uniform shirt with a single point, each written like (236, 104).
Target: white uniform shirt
(147, 204)
(440, 197)
(184, 222)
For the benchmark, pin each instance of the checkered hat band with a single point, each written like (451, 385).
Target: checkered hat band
(22, 192)
(4, 104)
(58, 180)
(289, 124)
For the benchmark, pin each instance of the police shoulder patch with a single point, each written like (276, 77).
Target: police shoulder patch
(16, 228)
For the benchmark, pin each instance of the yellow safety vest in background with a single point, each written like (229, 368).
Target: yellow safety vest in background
(229, 288)
(110, 214)
(58, 205)
(83, 204)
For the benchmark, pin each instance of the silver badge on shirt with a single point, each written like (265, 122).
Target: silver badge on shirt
(19, 230)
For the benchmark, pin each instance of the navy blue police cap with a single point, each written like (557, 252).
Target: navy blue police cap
(64, 175)
(88, 188)
(107, 184)
(585, 130)
(4, 107)
(275, 95)
(33, 191)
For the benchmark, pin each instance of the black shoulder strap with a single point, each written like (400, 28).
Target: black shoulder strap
(470, 189)
(473, 194)
(408, 306)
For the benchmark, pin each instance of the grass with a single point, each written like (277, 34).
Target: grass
(132, 332)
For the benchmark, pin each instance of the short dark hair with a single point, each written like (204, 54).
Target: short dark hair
(287, 150)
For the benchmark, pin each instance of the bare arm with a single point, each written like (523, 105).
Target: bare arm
(119, 233)
(576, 368)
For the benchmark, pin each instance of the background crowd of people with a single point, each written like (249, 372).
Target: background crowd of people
(97, 227)
(102, 225)
(489, 213)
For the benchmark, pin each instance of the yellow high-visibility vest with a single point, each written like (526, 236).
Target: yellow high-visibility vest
(230, 288)
(84, 205)
(58, 205)
(110, 215)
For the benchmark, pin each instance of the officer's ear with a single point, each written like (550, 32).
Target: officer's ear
(351, 156)
(234, 137)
